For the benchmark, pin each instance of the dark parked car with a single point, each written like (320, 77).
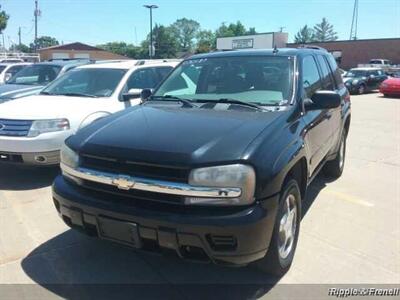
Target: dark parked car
(362, 80)
(31, 79)
(215, 164)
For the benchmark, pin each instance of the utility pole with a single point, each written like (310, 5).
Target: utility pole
(36, 15)
(19, 36)
(354, 22)
(151, 47)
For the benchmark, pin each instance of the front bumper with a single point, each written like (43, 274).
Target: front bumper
(220, 235)
(32, 158)
(390, 90)
(41, 150)
(45, 142)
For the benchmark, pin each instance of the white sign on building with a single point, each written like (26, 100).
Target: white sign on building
(257, 41)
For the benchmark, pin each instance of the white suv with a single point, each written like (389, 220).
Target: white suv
(32, 129)
(8, 70)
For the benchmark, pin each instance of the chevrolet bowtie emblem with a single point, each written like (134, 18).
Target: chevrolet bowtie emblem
(123, 183)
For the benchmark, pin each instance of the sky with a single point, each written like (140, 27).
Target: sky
(100, 21)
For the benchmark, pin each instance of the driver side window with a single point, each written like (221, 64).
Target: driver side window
(142, 79)
(310, 75)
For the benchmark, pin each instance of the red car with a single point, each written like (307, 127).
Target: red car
(390, 86)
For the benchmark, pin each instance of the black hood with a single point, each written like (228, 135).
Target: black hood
(173, 135)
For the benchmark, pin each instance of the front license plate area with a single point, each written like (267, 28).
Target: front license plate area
(119, 231)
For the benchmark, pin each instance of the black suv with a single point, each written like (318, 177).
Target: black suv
(215, 163)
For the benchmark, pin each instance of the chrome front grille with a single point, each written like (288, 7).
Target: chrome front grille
(143, 170)
(16, 128)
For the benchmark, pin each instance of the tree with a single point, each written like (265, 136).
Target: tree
(324, 32)
(304, 35)
(20, 48)
(233, 29)
(205, 41)
(44, 42)
(165, 42)
(251, 31)
(3, 20)
(122, 48)
(186, 31)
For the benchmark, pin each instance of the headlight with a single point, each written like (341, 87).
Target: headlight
(355, 81)
(69, 157)
(43, 126)
(229, 176)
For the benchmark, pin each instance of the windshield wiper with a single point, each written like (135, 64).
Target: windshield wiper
(185, 102)
(232, 101)
(77, 95)
(45, 93)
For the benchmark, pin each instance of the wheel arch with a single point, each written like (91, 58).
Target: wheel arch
(347, 124)
(298, 172)
(93, 117)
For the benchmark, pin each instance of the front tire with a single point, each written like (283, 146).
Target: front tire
(286, 232)
(334, 168)
(361, 89)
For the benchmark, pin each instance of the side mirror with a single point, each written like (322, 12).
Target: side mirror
(7, 77)
(323, 100)
(145, 94)
(131, 94)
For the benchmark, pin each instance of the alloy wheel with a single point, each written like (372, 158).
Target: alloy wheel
(287, 227)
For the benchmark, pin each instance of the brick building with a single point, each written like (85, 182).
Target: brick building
(353, 52)
(76, 50)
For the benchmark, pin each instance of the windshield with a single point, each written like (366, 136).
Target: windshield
(36, 75)
(356, 73)
(99, 82)
(265, 80)
(2, 68)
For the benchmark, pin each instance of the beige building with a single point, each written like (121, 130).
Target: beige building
(76, 50)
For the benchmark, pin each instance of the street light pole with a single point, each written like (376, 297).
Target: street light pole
(151, 7)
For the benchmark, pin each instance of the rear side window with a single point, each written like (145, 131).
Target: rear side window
(163, 72)
(335, 70)
(327, 83)
(14, 70)
(311, 79)
(375, 73)
(142, 79)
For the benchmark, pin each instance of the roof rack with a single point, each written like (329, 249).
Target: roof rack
(110, 61)
(29, 57)
(69, 59)
(314, 47)
(149, 61)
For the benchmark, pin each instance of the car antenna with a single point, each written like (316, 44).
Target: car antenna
(275, 49)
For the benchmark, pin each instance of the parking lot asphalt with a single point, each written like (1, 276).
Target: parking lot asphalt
(350, 231)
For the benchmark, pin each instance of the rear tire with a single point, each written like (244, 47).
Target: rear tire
(334, 168)
(286, 232)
